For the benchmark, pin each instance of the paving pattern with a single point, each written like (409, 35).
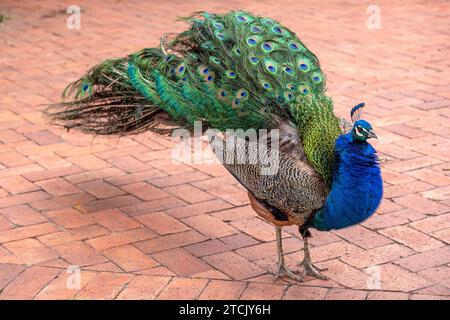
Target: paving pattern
(140, 226)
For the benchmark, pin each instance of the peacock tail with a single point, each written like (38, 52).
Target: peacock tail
(232, 71)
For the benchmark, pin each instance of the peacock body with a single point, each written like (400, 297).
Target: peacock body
(241, 71)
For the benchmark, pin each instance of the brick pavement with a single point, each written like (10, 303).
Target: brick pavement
(141, 226)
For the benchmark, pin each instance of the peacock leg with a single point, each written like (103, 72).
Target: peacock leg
(308, 267)
(282, 268)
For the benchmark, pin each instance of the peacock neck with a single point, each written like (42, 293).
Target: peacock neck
(357, 187)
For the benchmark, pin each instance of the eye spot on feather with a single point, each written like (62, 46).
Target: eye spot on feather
(256, 29)
(290, 86)
(203, 70)
(267, 47)
(303, 89)
(85, 87)
(288, 96)
(316, 77)
(235, 103)
(288, 70)
(230, 74)
(219, 35)
(218, 25)
(242, 94)
(222, 94)
(303, 65)
(277, 30)
(253, 60)
(294, 46)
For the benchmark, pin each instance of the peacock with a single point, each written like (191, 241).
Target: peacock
(242, 71)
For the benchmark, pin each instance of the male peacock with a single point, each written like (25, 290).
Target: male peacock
(232, 71)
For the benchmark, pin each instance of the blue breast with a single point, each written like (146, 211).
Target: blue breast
(357, 187)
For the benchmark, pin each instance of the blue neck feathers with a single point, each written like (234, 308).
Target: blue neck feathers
(357, 187)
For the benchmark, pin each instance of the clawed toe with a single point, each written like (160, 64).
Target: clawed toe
(285, 271)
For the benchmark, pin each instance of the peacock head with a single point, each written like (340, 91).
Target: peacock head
(362, 130)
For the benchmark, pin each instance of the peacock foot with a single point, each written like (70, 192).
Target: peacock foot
(311, 270)
(283, 270)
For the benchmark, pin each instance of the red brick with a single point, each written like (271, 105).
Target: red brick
(80, 233)
(269, 249)
(13, 159)
(43, 137)
(69, 218)
(198, 208)
(397, 152)
(183, 289)
(58, 288)
(10, 136)
(152, 206)
(258, 291)
(114, 220)
(145, 191)
(304, 293)
(52, 173)
(171, 241)
(234, 265)
(181, 262)
(121, 238)
(411, 238)
(162, 223)
(438, 275)
(332, 250)
(387, 295)
(363, 237)
(61, 202)
(86, 176)
(430, 176)
(110, 203)
(58, 187)
(231, 194)
(234, 214)
(394, 178)
(425, 260)
(177, 179)
(421, 204)
(29, 283)
(78, 253)
(345, 294)
(27, 232)
(8, 272)
(129, 258)
(411, 164)
(100, 189)
(27, 251)
(144, 288)
(209, 226)
(344, 274)
(431, 224)
(50, 161)
(377, 255)
(17, 184)
(89, 162)
(256, 227)
(22, 215)
(129, 164)
(396, 278)
(119, 180)
(189, 193)
(392, 219)
(239, 240)
(104, 286)
(222, 290)
(406, 188)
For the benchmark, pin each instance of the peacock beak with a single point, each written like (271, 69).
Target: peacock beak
(371, 134)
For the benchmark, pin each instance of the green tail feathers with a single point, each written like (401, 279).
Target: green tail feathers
(235, 70)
